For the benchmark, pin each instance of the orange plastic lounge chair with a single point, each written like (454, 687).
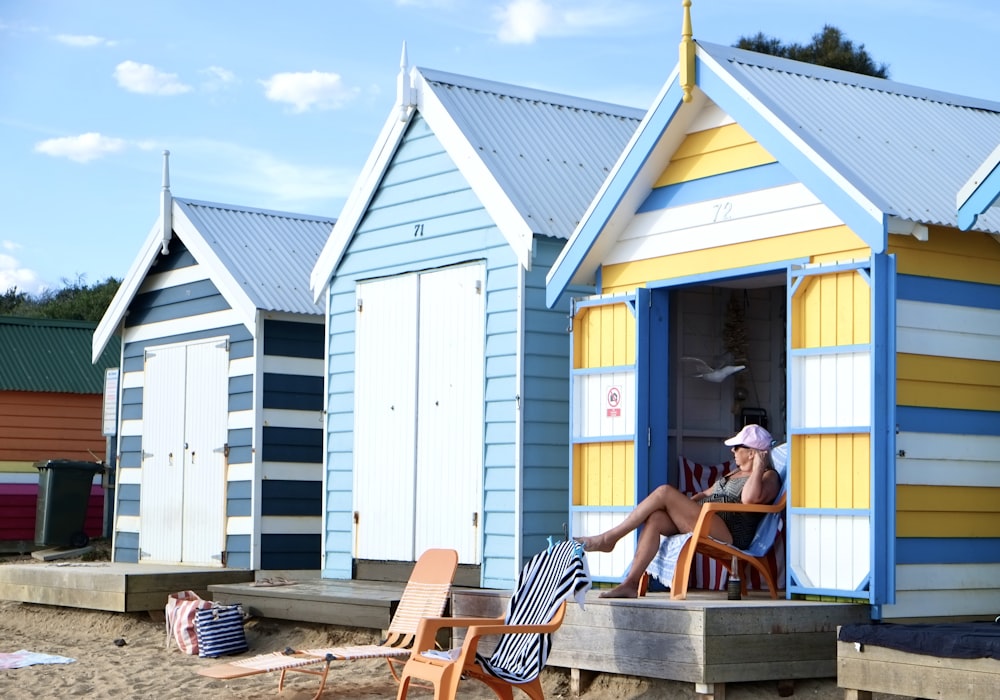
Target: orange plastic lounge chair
(425, 595)
(535, 610)
(756, 555)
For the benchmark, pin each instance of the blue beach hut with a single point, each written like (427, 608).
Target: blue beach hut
(219, 439)
(446, 406)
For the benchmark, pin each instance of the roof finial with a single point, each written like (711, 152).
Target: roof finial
(687, 64)
(166, 206)
(404, 87)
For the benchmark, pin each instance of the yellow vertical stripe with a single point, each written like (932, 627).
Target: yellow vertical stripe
(831, 471)
(832, 310)
(604, 337)
(604, 474)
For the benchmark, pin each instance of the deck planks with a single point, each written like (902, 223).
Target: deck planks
(882, 670)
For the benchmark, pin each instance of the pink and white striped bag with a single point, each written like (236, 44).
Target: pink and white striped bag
(180, 614)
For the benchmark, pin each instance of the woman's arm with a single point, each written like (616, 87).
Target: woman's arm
(762, 484)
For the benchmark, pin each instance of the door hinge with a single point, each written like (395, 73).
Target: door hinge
(475, 519)
(649, 437)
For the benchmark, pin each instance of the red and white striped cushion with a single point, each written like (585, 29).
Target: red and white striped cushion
(693, 478)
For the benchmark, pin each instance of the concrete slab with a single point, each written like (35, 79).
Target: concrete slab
(60, 553)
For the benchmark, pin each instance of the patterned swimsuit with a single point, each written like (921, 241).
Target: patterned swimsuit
(742, 526)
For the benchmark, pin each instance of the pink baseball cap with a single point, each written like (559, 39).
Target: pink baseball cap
(752, 436)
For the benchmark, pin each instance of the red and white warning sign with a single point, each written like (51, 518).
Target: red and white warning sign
(614, 402)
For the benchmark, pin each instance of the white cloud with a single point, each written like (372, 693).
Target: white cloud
(82, 148)
(307, 90)
(148, 80)
(259, 177)
(12, 274)
(525, 21)
(83, 41)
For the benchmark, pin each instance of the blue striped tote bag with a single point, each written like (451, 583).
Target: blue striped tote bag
(220, 630)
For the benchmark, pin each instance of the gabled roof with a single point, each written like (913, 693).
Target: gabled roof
(881, 155)
(980, 192)
(52, 356)
(258, 259)
(534, 159)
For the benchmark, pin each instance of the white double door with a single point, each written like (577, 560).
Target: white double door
(419, 376)
(182, 506)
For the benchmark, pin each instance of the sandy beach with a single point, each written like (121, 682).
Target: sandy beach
(140, 665)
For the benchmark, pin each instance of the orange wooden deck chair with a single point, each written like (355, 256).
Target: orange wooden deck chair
(757, 554)
(536, 610)
(426, 595)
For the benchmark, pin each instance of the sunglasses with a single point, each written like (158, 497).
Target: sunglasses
(741, 447)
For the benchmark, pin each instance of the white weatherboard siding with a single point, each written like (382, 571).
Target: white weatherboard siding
(946, 330)
(721, 221)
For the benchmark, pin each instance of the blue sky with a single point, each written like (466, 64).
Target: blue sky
(276, 105)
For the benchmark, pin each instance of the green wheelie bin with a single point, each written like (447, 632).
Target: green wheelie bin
(63, 497)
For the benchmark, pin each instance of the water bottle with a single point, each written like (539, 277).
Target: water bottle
(733, 586)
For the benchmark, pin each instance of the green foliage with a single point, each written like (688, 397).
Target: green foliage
(828, 48)
(75, 301)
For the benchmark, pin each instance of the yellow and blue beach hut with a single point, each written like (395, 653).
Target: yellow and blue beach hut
(802, 223)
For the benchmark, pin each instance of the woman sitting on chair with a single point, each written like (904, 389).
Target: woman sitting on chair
(667, 511)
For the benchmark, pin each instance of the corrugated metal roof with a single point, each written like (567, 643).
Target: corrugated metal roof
(908, 149)
(269, 253)
(550, 153)
(46, 355)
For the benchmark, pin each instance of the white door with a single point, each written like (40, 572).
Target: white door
(451, 347)
(185, 413)
(419, 414)
(385, 429)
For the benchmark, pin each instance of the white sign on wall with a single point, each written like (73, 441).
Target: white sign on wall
(110, 426)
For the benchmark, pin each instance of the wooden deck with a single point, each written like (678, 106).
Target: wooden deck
(108, 586)
(873, 669)
(355, 603)
(695, 640)
(706, 639)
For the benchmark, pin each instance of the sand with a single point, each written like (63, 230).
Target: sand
(140, 665)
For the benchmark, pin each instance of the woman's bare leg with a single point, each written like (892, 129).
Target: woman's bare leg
(678, 507)
(648, 544)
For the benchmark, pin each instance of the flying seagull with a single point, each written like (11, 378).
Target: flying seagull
(703, 370)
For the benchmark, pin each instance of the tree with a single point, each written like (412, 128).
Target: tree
(828, 48)
(76, 301)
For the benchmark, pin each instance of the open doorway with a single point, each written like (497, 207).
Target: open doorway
(726, 367)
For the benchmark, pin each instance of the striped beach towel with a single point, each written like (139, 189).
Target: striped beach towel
(549, 578)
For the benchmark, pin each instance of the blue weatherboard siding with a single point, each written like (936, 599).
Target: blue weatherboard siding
(290, 551)
(292, 445)
(945, 291)
(184, 300)
(291, 497)
(292, 391)
(423, 185)
(301, 394)
(238, 552)
(293, 339)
